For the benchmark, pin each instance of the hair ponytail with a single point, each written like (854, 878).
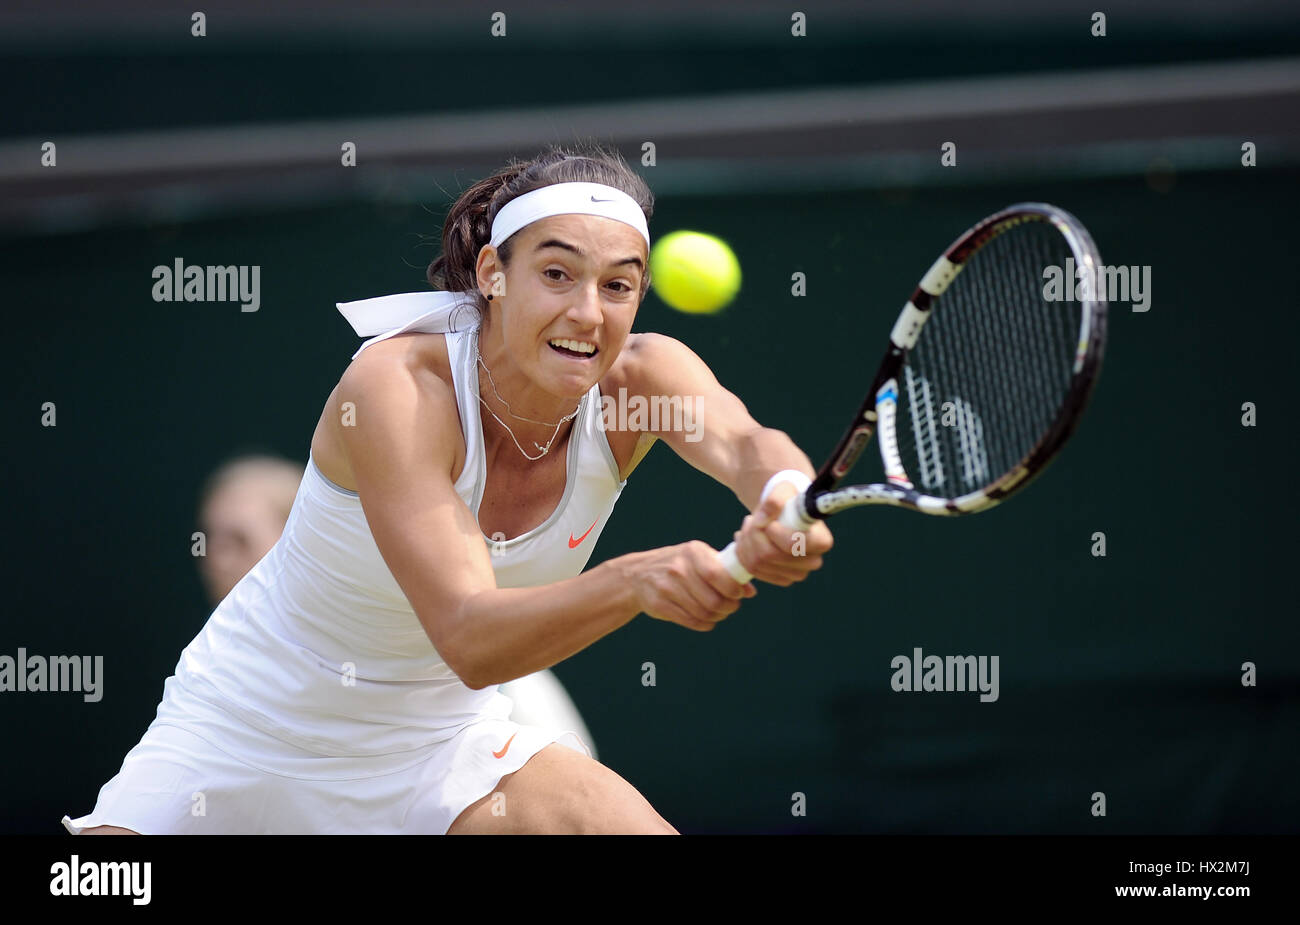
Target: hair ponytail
(467, 228)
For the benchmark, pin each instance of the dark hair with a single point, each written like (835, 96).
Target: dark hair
(469, 223)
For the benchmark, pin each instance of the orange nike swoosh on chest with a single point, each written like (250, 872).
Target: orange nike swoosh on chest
(573, 544)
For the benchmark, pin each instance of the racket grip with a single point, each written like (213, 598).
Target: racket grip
(793, 517)
(731, 562)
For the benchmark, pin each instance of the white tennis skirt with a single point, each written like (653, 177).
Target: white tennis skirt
(200, 770)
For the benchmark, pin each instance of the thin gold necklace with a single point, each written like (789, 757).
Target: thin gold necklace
(544, 449)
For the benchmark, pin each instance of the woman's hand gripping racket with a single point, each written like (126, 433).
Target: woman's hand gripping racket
(968, 413)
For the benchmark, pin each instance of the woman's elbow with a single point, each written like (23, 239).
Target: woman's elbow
(474, 681)
(465, 668)
(456, 655)
(461, 664)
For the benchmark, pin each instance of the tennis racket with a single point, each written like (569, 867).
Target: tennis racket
(986, 374)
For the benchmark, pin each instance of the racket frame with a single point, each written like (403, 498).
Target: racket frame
(878, 410)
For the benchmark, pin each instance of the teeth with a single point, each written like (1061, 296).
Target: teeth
(580, 346)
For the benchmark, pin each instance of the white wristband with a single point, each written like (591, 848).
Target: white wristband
(794, 476)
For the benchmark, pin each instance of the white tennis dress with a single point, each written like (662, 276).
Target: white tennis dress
(313, 701)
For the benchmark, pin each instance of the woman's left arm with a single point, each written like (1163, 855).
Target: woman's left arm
(710, 428)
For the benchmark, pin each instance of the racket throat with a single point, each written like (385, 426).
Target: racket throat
(887, 435)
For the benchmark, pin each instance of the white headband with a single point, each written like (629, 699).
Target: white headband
(441, 312)
(568, 199)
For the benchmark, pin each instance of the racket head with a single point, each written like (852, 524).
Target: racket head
(989, 368)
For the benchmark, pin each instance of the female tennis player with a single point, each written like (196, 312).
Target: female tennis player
(460, 474)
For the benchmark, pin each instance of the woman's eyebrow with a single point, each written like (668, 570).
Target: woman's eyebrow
(565, 245)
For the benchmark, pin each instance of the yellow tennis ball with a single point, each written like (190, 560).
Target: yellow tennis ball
(694, 272)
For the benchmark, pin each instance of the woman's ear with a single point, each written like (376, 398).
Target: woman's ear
(490, 274)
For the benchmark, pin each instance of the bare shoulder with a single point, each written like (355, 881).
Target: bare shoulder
(655, 367)
(649, 362)
(395, 399)
(415, 362)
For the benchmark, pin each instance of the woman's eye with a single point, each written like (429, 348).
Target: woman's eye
(552, 270)
(626, 287)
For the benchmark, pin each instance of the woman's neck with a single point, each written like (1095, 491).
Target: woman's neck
(533, 428)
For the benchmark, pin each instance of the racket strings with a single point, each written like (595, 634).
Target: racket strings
(993, 366)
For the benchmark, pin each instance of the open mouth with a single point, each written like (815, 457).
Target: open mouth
(576, 349)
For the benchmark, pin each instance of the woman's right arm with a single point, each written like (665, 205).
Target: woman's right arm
(400, 446)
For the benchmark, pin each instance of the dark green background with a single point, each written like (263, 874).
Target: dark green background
(1118, 674)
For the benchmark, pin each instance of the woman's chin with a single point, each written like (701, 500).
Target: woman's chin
(573, 378)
